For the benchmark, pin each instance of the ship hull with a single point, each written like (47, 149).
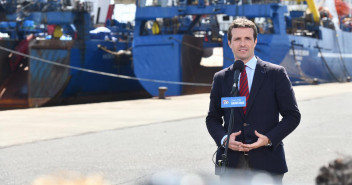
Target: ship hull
(307, 60)
(310, 52)
(172, 58)
(43, 83)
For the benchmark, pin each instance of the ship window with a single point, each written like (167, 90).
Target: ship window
(162, 3)
(302, 26)
(226, 18)
(264, 25)
(161, 26)
(346, 23)
(147, 30)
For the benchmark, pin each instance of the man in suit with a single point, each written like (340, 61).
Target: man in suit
(257, 134)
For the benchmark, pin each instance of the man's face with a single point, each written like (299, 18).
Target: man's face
(242, 43)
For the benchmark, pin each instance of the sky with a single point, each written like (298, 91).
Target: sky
(124, 12)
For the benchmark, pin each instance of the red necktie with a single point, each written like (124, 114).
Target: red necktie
(244, 91)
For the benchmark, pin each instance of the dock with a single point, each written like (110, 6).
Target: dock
(323, 134)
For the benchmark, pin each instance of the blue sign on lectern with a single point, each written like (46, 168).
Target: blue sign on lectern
(229, 102)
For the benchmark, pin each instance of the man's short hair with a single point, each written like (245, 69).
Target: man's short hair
(242, 23)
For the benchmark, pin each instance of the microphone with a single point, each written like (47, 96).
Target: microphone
(238, 66)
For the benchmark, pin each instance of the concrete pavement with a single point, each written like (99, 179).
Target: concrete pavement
(128, 141)
(36, 124)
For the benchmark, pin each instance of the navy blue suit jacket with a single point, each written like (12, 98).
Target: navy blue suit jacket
(271, 94)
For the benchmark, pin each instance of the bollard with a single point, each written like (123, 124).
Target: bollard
(315, 81)
(348, 79)
(162, 91)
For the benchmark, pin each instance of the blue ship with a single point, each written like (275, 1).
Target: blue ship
(172, 37)
(63, 33)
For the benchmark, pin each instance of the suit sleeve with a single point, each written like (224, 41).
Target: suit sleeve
(214, 119)
(287, 105)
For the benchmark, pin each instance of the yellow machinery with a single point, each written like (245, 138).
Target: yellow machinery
(314, 10)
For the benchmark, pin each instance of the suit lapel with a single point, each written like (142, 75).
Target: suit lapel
(229, 79)
(258, 79)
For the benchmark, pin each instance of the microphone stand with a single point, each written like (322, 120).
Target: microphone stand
(224, 159)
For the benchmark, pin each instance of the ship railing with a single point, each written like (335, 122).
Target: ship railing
(169, 3)
(101, 72)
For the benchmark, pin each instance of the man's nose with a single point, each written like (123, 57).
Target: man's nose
(242, 42)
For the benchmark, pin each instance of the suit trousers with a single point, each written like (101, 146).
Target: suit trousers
(244, 174)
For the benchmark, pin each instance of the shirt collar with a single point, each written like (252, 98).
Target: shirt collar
(252, 63)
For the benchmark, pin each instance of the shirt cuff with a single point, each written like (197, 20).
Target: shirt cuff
(222, 140)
